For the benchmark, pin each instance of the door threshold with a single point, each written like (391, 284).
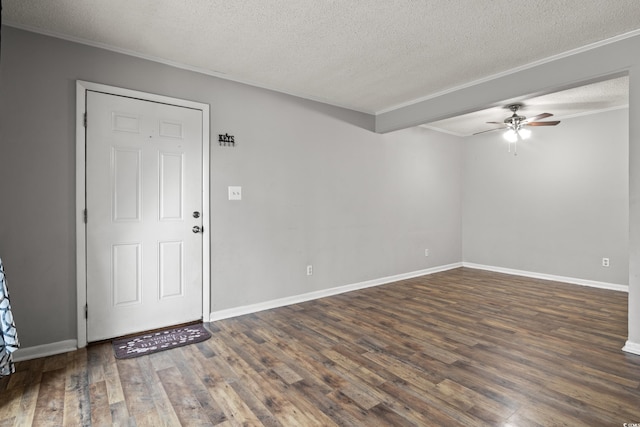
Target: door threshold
(150, 331)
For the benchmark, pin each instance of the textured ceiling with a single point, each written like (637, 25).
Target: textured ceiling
(368, 55)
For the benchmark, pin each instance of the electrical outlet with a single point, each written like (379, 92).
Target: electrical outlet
(426, 252)
(309, 270)
(605, 262)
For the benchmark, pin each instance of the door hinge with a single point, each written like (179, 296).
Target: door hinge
(85, 120)
(86, 311)
(84, 213)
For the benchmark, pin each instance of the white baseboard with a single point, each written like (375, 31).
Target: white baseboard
(631, 347)
(44, 350)
(533, 275)
(281, 302)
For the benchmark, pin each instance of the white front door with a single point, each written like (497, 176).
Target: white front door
(143, 198)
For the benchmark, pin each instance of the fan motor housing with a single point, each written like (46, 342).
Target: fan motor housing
(515, 119)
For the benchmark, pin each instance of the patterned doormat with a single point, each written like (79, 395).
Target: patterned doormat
(154, 342)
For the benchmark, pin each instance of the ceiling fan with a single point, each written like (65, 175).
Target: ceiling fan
(515, 125)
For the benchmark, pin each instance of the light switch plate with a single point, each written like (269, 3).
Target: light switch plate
(235, 193)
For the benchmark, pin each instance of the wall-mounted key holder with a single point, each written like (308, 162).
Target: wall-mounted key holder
(226, 140)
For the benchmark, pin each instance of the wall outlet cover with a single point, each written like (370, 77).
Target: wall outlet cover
(235, 193)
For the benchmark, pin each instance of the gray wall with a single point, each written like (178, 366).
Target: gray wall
(355, 205)
(318, 186)
(558, 207)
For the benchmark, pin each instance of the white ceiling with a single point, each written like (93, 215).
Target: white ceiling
(367, 55)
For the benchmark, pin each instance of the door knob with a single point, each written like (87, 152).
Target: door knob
(197, 229)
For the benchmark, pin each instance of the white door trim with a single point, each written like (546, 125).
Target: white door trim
(81, 237)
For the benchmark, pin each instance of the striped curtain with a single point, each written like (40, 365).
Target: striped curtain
(8, 334)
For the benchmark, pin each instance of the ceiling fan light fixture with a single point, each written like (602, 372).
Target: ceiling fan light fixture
(516, 126)
(511, 136)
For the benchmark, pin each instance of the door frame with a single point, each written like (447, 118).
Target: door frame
(81, 200)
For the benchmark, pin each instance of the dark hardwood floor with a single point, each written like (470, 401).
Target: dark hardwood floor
(463, 347)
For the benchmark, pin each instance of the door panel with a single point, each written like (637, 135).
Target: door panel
(127, 192)
(171, 196)
(144, 180)
(126, 271)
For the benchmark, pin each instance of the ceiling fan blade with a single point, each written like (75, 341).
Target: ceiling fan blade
(489, 130)
(496, 123)
(539, 116)
(552, 123)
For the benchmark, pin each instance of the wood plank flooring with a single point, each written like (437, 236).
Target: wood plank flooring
(463, 347)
